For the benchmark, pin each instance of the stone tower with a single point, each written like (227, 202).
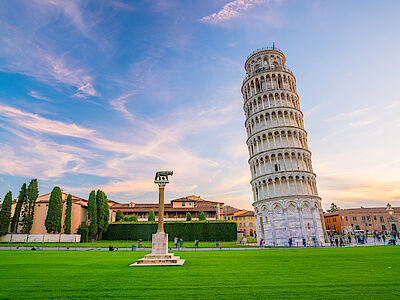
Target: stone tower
(286, 202)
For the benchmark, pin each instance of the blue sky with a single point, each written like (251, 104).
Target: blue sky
(101, 94)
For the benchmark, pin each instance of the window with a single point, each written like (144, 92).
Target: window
(354, 218)
(382, 219)
(368, 218)
(244, 224)
(383, 227)
(374, 218)
(266, 220)
(334, 219)
(251, 224)
(277, 168)
(224, 218)
(240, 224)
(363, 218)
(346, 218)
(357, 227)
(251, 218)
(190, 203)
(183, 203)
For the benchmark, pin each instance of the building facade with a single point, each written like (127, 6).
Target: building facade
(332, 223)
(369, 219)
(286, 202)
(246, 223)
(174, 211)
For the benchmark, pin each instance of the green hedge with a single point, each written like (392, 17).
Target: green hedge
(189, 231)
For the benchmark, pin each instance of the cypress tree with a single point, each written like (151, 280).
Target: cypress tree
(103, 213)
(188, 217)
(29, 206)
(54, 212)
(67, 219)
(92, 214)
(5, 214)
(119, 216)
(202, 216)
(152, 216)
(21, 199)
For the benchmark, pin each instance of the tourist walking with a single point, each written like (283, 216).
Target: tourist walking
(336, 242)
(261, 242)
(290, 242)
(176, 242)
(304, 242)
(196, 243)
(180, 242)
(341, 242)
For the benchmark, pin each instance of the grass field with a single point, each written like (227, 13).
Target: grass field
(333, 273)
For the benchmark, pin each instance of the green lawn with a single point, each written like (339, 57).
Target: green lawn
(127, 244)
(335, 273)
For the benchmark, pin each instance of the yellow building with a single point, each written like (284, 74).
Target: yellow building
(246, 223)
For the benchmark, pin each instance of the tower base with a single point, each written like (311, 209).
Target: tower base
(159, 253)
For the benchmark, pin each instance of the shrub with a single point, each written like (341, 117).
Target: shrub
(132, 218)
(202, 216)
(152, 216)
(189, 231)
(188, 217)
(119, 216)
(83, 230)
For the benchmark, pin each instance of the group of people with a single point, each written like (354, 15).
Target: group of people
(178, 241)
(361, 239)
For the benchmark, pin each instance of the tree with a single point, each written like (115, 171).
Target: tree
(54, 212)
(202, 216)
(119, 216)
(83, 230)
(188, 217)
(103, 213)
(21, 199)
(67, 219)
(29, 206)
(92, 215)
(5, 214)
(333, 208)
(152, 216)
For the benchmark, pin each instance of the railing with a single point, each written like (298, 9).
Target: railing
(278, 68)
(264, 48)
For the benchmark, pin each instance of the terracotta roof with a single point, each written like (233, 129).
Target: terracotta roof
(245, 214)
(329, 214)
(368, 210)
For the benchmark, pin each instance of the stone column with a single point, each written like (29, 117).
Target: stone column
(161, 187)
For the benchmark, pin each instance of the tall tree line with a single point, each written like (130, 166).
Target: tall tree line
(98, 214)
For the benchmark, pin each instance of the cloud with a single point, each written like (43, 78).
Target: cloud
(230, 10)
(38, 96)
(119, 105)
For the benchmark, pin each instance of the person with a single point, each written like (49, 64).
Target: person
(384, 238)
(176, 242)
(196, 243)
(304, 242)
(341, 242)
(309, 242)
(110, 248)
(217, 244)
(261, 242)
(337, 242)
(290, 242)
(331, 240)
(180, 242)
(140, 243)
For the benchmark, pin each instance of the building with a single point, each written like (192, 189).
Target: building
(228, 212)
(78, 213)
(369, 219)
(174, 211)
(246, 223)
(286, 202)
(332, 222)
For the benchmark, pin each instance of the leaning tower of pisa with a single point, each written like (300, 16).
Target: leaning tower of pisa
(286, 202)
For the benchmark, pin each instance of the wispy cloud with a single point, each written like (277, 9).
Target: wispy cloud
(230, 10)
(37, 95)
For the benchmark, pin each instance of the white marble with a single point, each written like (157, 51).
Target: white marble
(286, 201)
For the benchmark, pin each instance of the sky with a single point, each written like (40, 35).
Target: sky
(102, 94)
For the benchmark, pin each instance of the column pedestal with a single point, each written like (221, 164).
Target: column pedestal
(159, 255)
